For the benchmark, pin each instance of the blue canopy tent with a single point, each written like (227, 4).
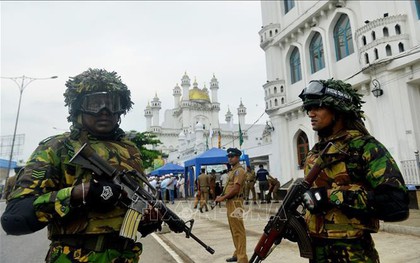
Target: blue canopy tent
(168, 168)
(209, 157)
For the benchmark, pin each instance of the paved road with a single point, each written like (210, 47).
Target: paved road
(32, 248)
(213, 229)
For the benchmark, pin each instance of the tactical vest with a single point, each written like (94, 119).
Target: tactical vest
(122, 155)
(343, 170)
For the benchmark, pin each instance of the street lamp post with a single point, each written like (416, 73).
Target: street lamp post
(22, 85)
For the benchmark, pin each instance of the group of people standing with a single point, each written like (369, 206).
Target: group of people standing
(169, 187)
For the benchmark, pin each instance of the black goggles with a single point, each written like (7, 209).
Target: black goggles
(316, 90)
(93, 103)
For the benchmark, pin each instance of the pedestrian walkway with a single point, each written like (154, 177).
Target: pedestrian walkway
(394, 242)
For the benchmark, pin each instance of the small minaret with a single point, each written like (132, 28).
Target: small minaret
(214, 86)
(148, 114)
(185, 84)
(177, 95)
(229, 119)
(241, 113)
(195, 84)
(156, 106)
(205, 89)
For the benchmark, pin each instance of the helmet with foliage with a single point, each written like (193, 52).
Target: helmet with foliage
(335, 94)
(95, 81)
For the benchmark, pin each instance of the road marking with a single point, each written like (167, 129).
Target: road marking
(167, 248)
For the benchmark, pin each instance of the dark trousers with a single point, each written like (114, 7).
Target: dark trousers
(263, 185)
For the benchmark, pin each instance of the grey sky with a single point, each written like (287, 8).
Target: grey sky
(149, 44)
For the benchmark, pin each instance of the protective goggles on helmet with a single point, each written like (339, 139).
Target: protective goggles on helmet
(316, 90)
(93, 103)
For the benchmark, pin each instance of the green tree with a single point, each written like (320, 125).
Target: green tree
(143, 139)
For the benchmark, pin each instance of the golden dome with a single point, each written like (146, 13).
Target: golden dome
(198, 94)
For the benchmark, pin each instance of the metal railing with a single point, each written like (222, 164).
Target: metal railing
(410, 171)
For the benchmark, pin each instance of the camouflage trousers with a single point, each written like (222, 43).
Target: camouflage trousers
(66, 254)
(345, 250)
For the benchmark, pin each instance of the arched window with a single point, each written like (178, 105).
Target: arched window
(288, 5)
(275, 90)
(401, 47)
(388, 50)
(364, 40)
(276, 31)
(397, 29)
(302, 148)
(276, 102)
(266, 105)
(375, 51)
(366, 58)
(385, 31)
(281, 89)
(295, 71)
(373, 36)
(343, 37)
(271, 33)
(316, 51)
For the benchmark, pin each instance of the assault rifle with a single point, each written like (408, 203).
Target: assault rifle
(89, 159)
(288, 222)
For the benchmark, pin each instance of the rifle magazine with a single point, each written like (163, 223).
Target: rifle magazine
(130, 224)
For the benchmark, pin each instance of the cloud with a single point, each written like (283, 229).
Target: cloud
(149, 44)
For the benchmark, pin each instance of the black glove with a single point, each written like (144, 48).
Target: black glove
(316, 200)
(175, 223)
(103, 195)
(150, 222)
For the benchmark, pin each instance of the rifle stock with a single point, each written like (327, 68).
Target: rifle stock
(89, 159)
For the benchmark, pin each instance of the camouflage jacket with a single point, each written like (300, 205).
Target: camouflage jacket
(50, 177)
(352, 166)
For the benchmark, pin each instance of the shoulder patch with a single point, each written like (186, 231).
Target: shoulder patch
(236, 173)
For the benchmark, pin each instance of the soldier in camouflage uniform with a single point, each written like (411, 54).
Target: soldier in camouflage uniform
(359, 184)
(83, 214)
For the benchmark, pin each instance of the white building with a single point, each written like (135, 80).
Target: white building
(370, 44)
(193, 125)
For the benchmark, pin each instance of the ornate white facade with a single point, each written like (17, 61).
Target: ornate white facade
(193, 125)
(374, 45)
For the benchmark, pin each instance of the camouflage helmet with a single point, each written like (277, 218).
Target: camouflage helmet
(336, 94)
(91, 81)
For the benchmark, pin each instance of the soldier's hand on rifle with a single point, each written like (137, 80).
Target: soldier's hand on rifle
(101, 195)
(316, 200)
(150, 222)
(175, 223)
